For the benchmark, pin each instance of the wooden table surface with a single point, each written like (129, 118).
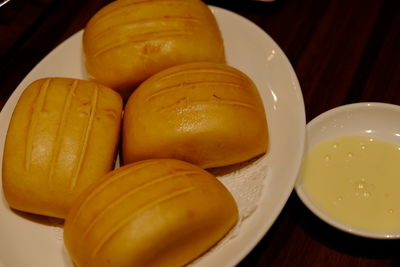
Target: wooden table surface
(343, 51)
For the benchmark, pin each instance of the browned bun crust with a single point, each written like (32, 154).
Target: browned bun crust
(63, 135)
(128, 41)
(205, 113)
(158, 212)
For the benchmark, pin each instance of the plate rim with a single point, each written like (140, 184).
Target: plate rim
(218, 11)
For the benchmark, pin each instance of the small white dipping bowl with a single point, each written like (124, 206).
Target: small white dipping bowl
(375, 120)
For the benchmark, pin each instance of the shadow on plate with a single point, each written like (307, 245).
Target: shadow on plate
(45, 220)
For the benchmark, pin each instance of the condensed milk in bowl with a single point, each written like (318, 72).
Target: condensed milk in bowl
(350, 176)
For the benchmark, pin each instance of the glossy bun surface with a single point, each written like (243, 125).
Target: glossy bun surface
(158, 212)
(205, 113)
(129, 40)
(62, 136)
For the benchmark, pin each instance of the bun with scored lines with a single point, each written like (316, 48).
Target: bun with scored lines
(62, 136)
(159, 212)
(127, 41)
(208, 114)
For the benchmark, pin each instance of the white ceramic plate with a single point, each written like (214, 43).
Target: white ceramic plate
(37, 242)
(375, 120)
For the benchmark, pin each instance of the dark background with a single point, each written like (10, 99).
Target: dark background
(343, 51)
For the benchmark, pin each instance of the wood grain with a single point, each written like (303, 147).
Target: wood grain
(342, 51)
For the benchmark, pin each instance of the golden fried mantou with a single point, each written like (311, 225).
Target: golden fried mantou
(129, 40)
(159, 212)
(62, 136)
(208, 114)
